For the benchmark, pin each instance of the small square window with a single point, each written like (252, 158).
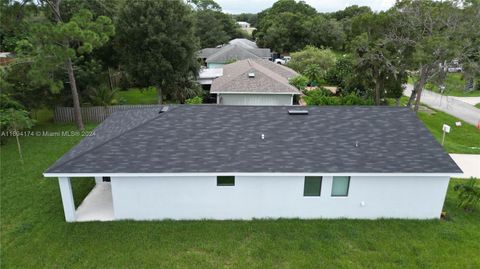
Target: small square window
(313, 186)
(225, 181)
(340, 186)
(106, 179)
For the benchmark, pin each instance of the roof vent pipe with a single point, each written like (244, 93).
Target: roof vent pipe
(164, 109)
(298, 112)
(251, 75)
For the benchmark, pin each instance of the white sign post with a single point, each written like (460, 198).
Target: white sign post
(446, 129)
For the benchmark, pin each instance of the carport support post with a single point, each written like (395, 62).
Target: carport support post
(67, 198)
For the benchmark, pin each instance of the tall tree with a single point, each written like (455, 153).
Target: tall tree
(429, 29)
(97, 68)
(326, 32)
(374, 60)
(350, 12)
(14, 20)
(157, 42)
(283, 27)
(205, 5)
(470, 47)
(212, 26)
(13, 118)
(52, 46)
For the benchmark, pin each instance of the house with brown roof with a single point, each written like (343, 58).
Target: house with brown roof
(254, 82)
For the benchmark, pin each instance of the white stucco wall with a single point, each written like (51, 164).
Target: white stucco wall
(255, 99)
(198, 197)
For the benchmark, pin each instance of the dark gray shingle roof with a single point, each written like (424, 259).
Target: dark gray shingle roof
(232, 52)
(269, 78)
(248, 44)
(215, 138)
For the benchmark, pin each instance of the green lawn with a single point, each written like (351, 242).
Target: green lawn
(137, 96)
(477, 105)
(454, 86)
(35, 235)
(462, 139)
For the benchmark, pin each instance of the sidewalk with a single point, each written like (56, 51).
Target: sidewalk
(469, 100)
(469, 163)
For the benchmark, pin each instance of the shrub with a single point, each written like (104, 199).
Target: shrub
(299, 82)
(194, 100)
(469, 194)
(340, 73)
(324, 97)
(103, 96)
(323, 58)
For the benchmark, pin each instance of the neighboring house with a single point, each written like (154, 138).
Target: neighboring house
(243, 24)
(207, 75)
(205, 78)
(6, 58)
(244, 162)
(243, 42)
(254, 82)
(237, 49)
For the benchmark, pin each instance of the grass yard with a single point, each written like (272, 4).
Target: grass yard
(462, 139)
(137, 96)
(477, 105)
(35, 235)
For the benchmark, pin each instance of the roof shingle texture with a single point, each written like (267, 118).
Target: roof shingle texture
(269, 78)
(215, 138)
(231, 52)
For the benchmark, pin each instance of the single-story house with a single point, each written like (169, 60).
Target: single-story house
(243, 24)
(243, 42)
(244, 162)
(207, 75)
(237, 49)
(255, 82)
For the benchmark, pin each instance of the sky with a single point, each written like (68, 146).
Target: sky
(255, 6)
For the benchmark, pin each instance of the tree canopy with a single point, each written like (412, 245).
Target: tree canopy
(72, 44)
(158, 44)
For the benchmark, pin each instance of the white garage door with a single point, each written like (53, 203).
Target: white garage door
(255, 99)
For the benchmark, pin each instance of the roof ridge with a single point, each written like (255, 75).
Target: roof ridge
(232, 75)
(267, 63)
(274, 75)
(220, 51)
(111, 139)
(228, 48)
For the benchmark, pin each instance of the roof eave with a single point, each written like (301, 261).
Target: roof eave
(271, 93)
(397, 174)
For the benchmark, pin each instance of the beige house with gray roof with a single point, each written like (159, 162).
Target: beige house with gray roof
(235, 50)
(254, 82)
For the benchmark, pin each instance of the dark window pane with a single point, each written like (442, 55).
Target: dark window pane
(313, 186)
(225, 181)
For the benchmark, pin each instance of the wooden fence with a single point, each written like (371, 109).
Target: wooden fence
(92, 113)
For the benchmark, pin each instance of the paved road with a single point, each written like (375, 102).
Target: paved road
(469, 163)
(447, 104)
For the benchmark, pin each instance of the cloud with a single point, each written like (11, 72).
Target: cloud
(255, 6)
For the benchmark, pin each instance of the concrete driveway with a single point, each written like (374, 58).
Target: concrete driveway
(448, 104)
(469, 163)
